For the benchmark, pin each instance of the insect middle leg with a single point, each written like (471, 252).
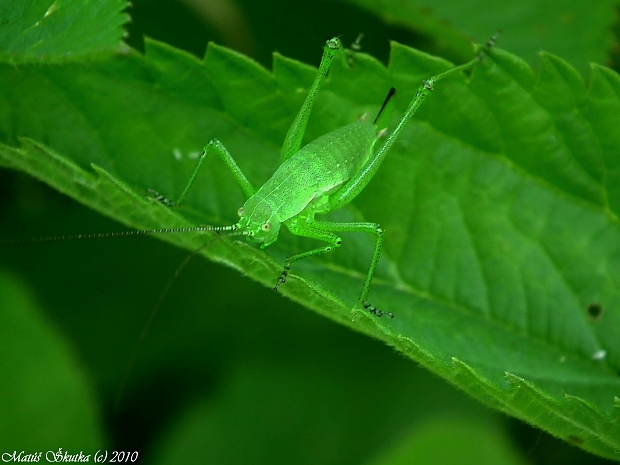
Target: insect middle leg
(325, 231)
(217, 147)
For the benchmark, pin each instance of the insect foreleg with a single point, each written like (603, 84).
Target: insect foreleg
(325, 231)
(217, 147)
(295, 134)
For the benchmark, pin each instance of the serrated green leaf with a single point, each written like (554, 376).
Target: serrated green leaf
(498, 203)
(53, 30)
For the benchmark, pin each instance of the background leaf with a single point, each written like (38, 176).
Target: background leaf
(43, 30)
(555, 26)
(34, 352)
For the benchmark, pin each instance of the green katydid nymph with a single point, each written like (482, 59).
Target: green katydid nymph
(322, 176)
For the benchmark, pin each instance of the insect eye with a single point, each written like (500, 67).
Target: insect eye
(240, 211)
(266, 226)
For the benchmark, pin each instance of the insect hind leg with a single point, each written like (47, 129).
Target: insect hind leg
(292, 141)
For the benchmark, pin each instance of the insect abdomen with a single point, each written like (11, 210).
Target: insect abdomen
(319, 168)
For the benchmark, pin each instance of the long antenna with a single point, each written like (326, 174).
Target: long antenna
(120, 391)
(138, 232)
(142, 337)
